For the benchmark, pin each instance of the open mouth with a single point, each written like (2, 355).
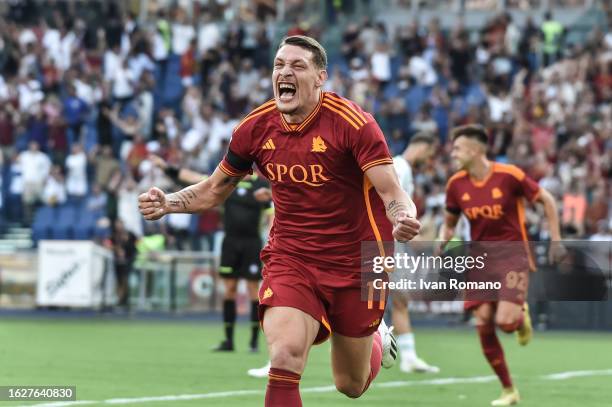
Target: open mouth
(286, 91)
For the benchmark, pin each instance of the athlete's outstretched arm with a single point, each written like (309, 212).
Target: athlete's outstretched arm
(177, 174)
(552, 215)
(401, 211)
(194, 199)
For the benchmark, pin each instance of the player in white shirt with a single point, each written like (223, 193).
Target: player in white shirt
(421, 148)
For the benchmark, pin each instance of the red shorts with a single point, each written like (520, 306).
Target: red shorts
(332, 297)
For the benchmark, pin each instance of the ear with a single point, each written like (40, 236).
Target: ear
(321, 78)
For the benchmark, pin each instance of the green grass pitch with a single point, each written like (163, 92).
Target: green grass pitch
(133, 359)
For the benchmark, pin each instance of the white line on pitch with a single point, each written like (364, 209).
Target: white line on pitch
(577, 373)
(321, 389)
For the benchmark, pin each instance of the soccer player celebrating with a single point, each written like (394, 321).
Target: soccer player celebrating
(324, 158)
(421, 148)
(491, 196)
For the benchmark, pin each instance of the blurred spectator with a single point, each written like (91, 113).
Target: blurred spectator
(105, 165)
(76, 173)
(15, 191)
(122, 81)
(97, 200)
(189, 64)
(209, 34)
(381, 65)
(574, 208)
(35, 167)
(54, 191)
(553, 35)
(124, 251)
(75, 110)
(7, 127)
(161, 49)
(127, 205)
(183, 32)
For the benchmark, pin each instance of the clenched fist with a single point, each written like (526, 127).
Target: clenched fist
(152, 204)
(406, 228)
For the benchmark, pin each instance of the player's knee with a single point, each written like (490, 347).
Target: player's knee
(505, 323)
(349, 386)
(287, 356)
(484, 317)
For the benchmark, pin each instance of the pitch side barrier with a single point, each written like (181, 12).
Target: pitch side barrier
(170, 276)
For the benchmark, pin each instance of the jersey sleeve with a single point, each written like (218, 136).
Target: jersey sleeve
(525, 185)
(369, 147)
(238, 160)
(529, 188)
(452, 204)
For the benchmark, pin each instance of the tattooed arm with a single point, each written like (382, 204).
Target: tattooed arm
(194, 199)
(401, 211)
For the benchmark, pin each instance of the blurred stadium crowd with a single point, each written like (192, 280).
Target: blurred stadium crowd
(88, 91)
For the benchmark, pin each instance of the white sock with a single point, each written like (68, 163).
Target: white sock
(406, 346)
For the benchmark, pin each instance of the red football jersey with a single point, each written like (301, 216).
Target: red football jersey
(495, 205)
(324, 204)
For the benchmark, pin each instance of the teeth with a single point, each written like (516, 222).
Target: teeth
(286, 86)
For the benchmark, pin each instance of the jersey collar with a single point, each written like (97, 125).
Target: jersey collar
(301, 127)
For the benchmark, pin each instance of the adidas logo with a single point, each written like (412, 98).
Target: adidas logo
(269, 145)
(496, 193)
(466, 197)
(318, 145)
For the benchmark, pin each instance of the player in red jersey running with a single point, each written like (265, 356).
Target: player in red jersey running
(491, 195)
(331, 175)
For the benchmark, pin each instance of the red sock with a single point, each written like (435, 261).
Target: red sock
(494, 353)
(375, 360)
(283, 389)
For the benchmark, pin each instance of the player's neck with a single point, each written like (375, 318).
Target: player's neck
(302, 114)
(480, 169)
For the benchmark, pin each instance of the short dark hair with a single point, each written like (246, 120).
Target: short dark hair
(473, 131)
(426, 137)
(319, 56)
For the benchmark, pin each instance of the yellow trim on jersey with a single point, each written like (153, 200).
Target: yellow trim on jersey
(301, 126)
(253, 115)
(259, 109)
(339, 112)
(375, 163)
(348, 105)
(346, 110)
(456, 176)
(513, 170)
(481, 183)
(366, 194)
(229, 171)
